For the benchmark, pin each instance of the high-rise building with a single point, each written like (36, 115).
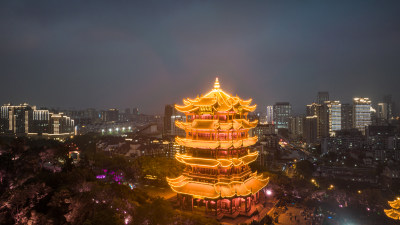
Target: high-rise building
(262, 130)
(390, 106)
(334, 116)
(168, 112)
(135, 111)
(26, 120)
(270, 114)
(40, 122)
(322, 121)
(385, 109)
(296, 126)
(311, 109)
(361, 114)
(322, 97)
(382, 111)
(92, 116)
(218, 153)
(347, 116)
(15, 118)
(321, 114)
(61, 124)
(348, 139)
(282, 112)
(262, 117)
(379, 137)
(111, 115)
(170, 116)
(310, 129)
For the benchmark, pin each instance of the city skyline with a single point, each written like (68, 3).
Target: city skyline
(300, 110)
(200, 112)
(119, 55)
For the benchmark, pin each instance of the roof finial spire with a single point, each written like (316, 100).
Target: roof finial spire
(216, 84)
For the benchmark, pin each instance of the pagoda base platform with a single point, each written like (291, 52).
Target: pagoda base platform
(253, 206)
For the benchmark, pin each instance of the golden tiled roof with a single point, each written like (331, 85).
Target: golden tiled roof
(216, 144)
(392, 213)
(186, 159)
(220, 189)
(395, 204)
(218, 100)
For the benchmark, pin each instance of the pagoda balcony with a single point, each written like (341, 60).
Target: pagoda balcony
(210, 144)
(219, 154)
(210, 178)
(215, 178)
(213, 155)
(208, 138)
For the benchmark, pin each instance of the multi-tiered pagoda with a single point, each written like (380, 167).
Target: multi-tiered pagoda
(394, 212)
(217, 174)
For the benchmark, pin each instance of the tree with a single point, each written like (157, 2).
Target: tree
(157, 212)
(305, 169)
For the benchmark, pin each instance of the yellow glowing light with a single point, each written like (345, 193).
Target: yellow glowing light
(217, 100)
(394, 212)
(217, 122)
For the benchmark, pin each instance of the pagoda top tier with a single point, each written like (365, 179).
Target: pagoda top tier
(216, 101)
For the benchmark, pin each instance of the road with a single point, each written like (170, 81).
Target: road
(294, 216)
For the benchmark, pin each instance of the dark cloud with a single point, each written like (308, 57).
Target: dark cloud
(150, 53)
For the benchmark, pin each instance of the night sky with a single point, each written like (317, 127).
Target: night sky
(102, 54)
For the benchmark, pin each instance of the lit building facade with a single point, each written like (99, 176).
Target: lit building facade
(382, 111)
(334, 116)
(261, 130)
(311, 109)
(282, 112)
(390, 106)
(323, 121)
(61, 124)
(347, 116)
(168, 112)
(217, 143)
(270, 114)
(296, 126)
(310, 129)
(15, 118)
(40, 122)
(170, 116)
(111, 115)
(24, 119)
(361, 113)
(320, 113)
